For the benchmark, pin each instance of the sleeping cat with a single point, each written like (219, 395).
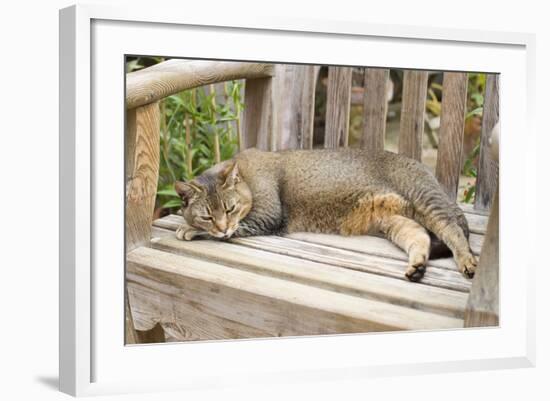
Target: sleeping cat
(345, 191)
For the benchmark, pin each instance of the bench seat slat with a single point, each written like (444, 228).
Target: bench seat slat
(330, 277)
(278, 307)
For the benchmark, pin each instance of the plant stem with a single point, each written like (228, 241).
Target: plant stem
(217, 157)
(238, 126)
(226, 97)
(188, 148)
(217, 148)
(166, 138)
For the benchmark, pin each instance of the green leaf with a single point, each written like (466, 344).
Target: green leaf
(469, 194)
(168, 192)
(172, 203)
(478, 111)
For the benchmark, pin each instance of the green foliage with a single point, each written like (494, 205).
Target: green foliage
(470, 170)
(211, 132)
(476, 90)
(137, 63)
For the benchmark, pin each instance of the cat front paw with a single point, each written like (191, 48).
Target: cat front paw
(467, 264)
(186, 233)
(417, 265)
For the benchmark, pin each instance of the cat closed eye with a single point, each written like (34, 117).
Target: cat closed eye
(205, 218)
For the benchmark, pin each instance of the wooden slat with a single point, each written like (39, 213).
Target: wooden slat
(483, 303)
(469, 208)
(321, 275)
(157, 232)
(434, 276)
(294, 87)
(338, 106)
(439, 275)
(476, 222)
(258, 114)
(487, 172)
(378, 246)
(142, 166)
(181, 321)
(164, 79)
(278, 307)
(451, 133)
(411, 130)
(375, 108)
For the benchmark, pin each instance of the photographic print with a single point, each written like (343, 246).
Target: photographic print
(273, 200)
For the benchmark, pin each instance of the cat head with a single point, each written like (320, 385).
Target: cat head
(216, 201)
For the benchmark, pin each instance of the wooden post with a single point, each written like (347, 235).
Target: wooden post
(415, 86)
(132, 336)
(258, 114)
(338, 106)
(294, 91)
(375, 108)
(130, 332)
(451, 133)
(482, 308)
(142, 167)
(487, 172)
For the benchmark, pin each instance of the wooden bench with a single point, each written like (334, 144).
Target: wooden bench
(303, 283)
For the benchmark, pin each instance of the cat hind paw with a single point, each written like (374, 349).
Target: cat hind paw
(467, 265)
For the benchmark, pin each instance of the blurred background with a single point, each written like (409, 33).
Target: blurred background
(200, 127)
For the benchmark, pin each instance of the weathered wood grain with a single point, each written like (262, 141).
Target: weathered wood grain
(362, 262)
(179, 320)
(169, 77)
(258, 114)
(130, 331)
(469, 208)
(483, 303)
(294, 87)
(338, 106)
(375, 108)
(476, 222)
(320, 275)
(487, 172)
(153, 334)
(451, 133)
(130, 144)
(413, 105)
(142, 166)
(279, 307)
(378, 246)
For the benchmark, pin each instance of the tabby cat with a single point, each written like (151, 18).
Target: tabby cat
(344, 191)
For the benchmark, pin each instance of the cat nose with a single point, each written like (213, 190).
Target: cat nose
(221, 225)
(222, 228)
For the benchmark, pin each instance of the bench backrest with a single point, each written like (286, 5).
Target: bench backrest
(279, 114)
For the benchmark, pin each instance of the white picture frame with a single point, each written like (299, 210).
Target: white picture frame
(93, 358)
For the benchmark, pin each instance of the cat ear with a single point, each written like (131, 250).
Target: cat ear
(232, 175)
(186, 191)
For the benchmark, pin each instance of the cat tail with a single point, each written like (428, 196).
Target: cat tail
(438, 249)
